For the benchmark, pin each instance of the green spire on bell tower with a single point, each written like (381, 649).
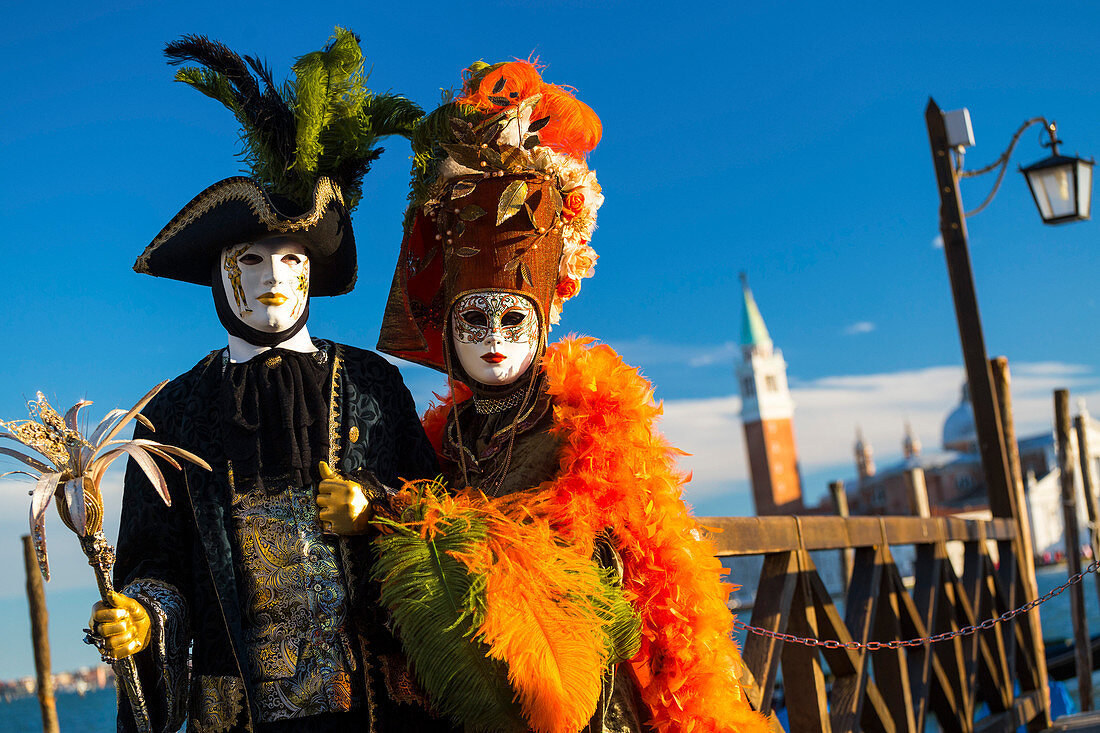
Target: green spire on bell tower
(753, 331)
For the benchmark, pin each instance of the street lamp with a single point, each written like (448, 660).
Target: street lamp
(1062, 188)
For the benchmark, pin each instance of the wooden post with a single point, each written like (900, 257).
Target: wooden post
(840, 498)
(1082, 647)
(987, 419)
(918, 493)
(1088, 480)
(1024, 544)
(840, 502)
(36, 598)
(1002, 382)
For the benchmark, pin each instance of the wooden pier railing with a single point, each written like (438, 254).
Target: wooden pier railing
(997, 673)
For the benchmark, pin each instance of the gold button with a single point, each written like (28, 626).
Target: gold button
(273, 361)
(353, 434)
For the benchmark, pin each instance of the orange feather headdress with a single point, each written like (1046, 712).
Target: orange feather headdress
(573, 128)
(502, 199)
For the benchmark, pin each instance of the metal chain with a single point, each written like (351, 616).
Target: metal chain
(897, 644)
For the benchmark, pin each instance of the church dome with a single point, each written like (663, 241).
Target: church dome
(959, 432)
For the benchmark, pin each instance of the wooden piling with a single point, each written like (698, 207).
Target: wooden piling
(918, 492)
(1088, 481)
(1082, 647)
(987, 419)
(840, 502)
(1002, 382)
(36, 599)
(1024, 543)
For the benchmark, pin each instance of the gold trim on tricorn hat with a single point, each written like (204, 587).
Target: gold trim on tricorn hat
(238, 210)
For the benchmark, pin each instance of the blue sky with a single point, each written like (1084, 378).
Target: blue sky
(784, 139)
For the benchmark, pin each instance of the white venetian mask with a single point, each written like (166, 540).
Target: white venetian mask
(495, 335)
(266, 282)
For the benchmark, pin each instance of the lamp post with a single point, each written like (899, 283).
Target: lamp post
(1062, 190)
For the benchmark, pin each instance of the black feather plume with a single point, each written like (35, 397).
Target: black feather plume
(217, 57)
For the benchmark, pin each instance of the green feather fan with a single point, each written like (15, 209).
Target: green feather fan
(624, 631)
(434, 565)
(433, 601)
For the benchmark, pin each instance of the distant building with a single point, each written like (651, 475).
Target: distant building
(767, 414)
(956, 484)
(81, 681)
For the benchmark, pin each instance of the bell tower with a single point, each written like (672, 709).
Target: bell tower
(767, 412)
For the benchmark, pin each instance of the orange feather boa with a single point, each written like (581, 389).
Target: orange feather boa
(618, 472)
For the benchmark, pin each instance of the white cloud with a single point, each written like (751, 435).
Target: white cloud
(827, 411)
(937, 241)
(858, 328)
(1053, 368)
(710, 430)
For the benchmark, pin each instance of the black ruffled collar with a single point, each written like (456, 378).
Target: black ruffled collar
(274, 410)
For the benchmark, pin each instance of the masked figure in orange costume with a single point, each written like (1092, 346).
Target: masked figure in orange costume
(563, 503)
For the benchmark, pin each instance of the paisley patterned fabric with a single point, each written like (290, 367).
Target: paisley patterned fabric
(297, 647)
(216, 703)
(189, 546)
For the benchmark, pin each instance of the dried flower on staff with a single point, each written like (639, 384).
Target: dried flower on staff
(75, 464)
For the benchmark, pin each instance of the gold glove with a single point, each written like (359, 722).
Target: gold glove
(124, 625)
(345, 508)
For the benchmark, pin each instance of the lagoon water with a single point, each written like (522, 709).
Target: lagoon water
(95, 712)
(90, 713)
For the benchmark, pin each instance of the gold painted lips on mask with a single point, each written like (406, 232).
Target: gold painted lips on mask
(272, 298)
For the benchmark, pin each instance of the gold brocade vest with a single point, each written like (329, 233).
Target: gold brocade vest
(297, 647)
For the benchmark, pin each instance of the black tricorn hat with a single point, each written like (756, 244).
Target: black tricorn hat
(238, 210)
(308, 142)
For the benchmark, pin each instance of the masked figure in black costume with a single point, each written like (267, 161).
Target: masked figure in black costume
(263, 564)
